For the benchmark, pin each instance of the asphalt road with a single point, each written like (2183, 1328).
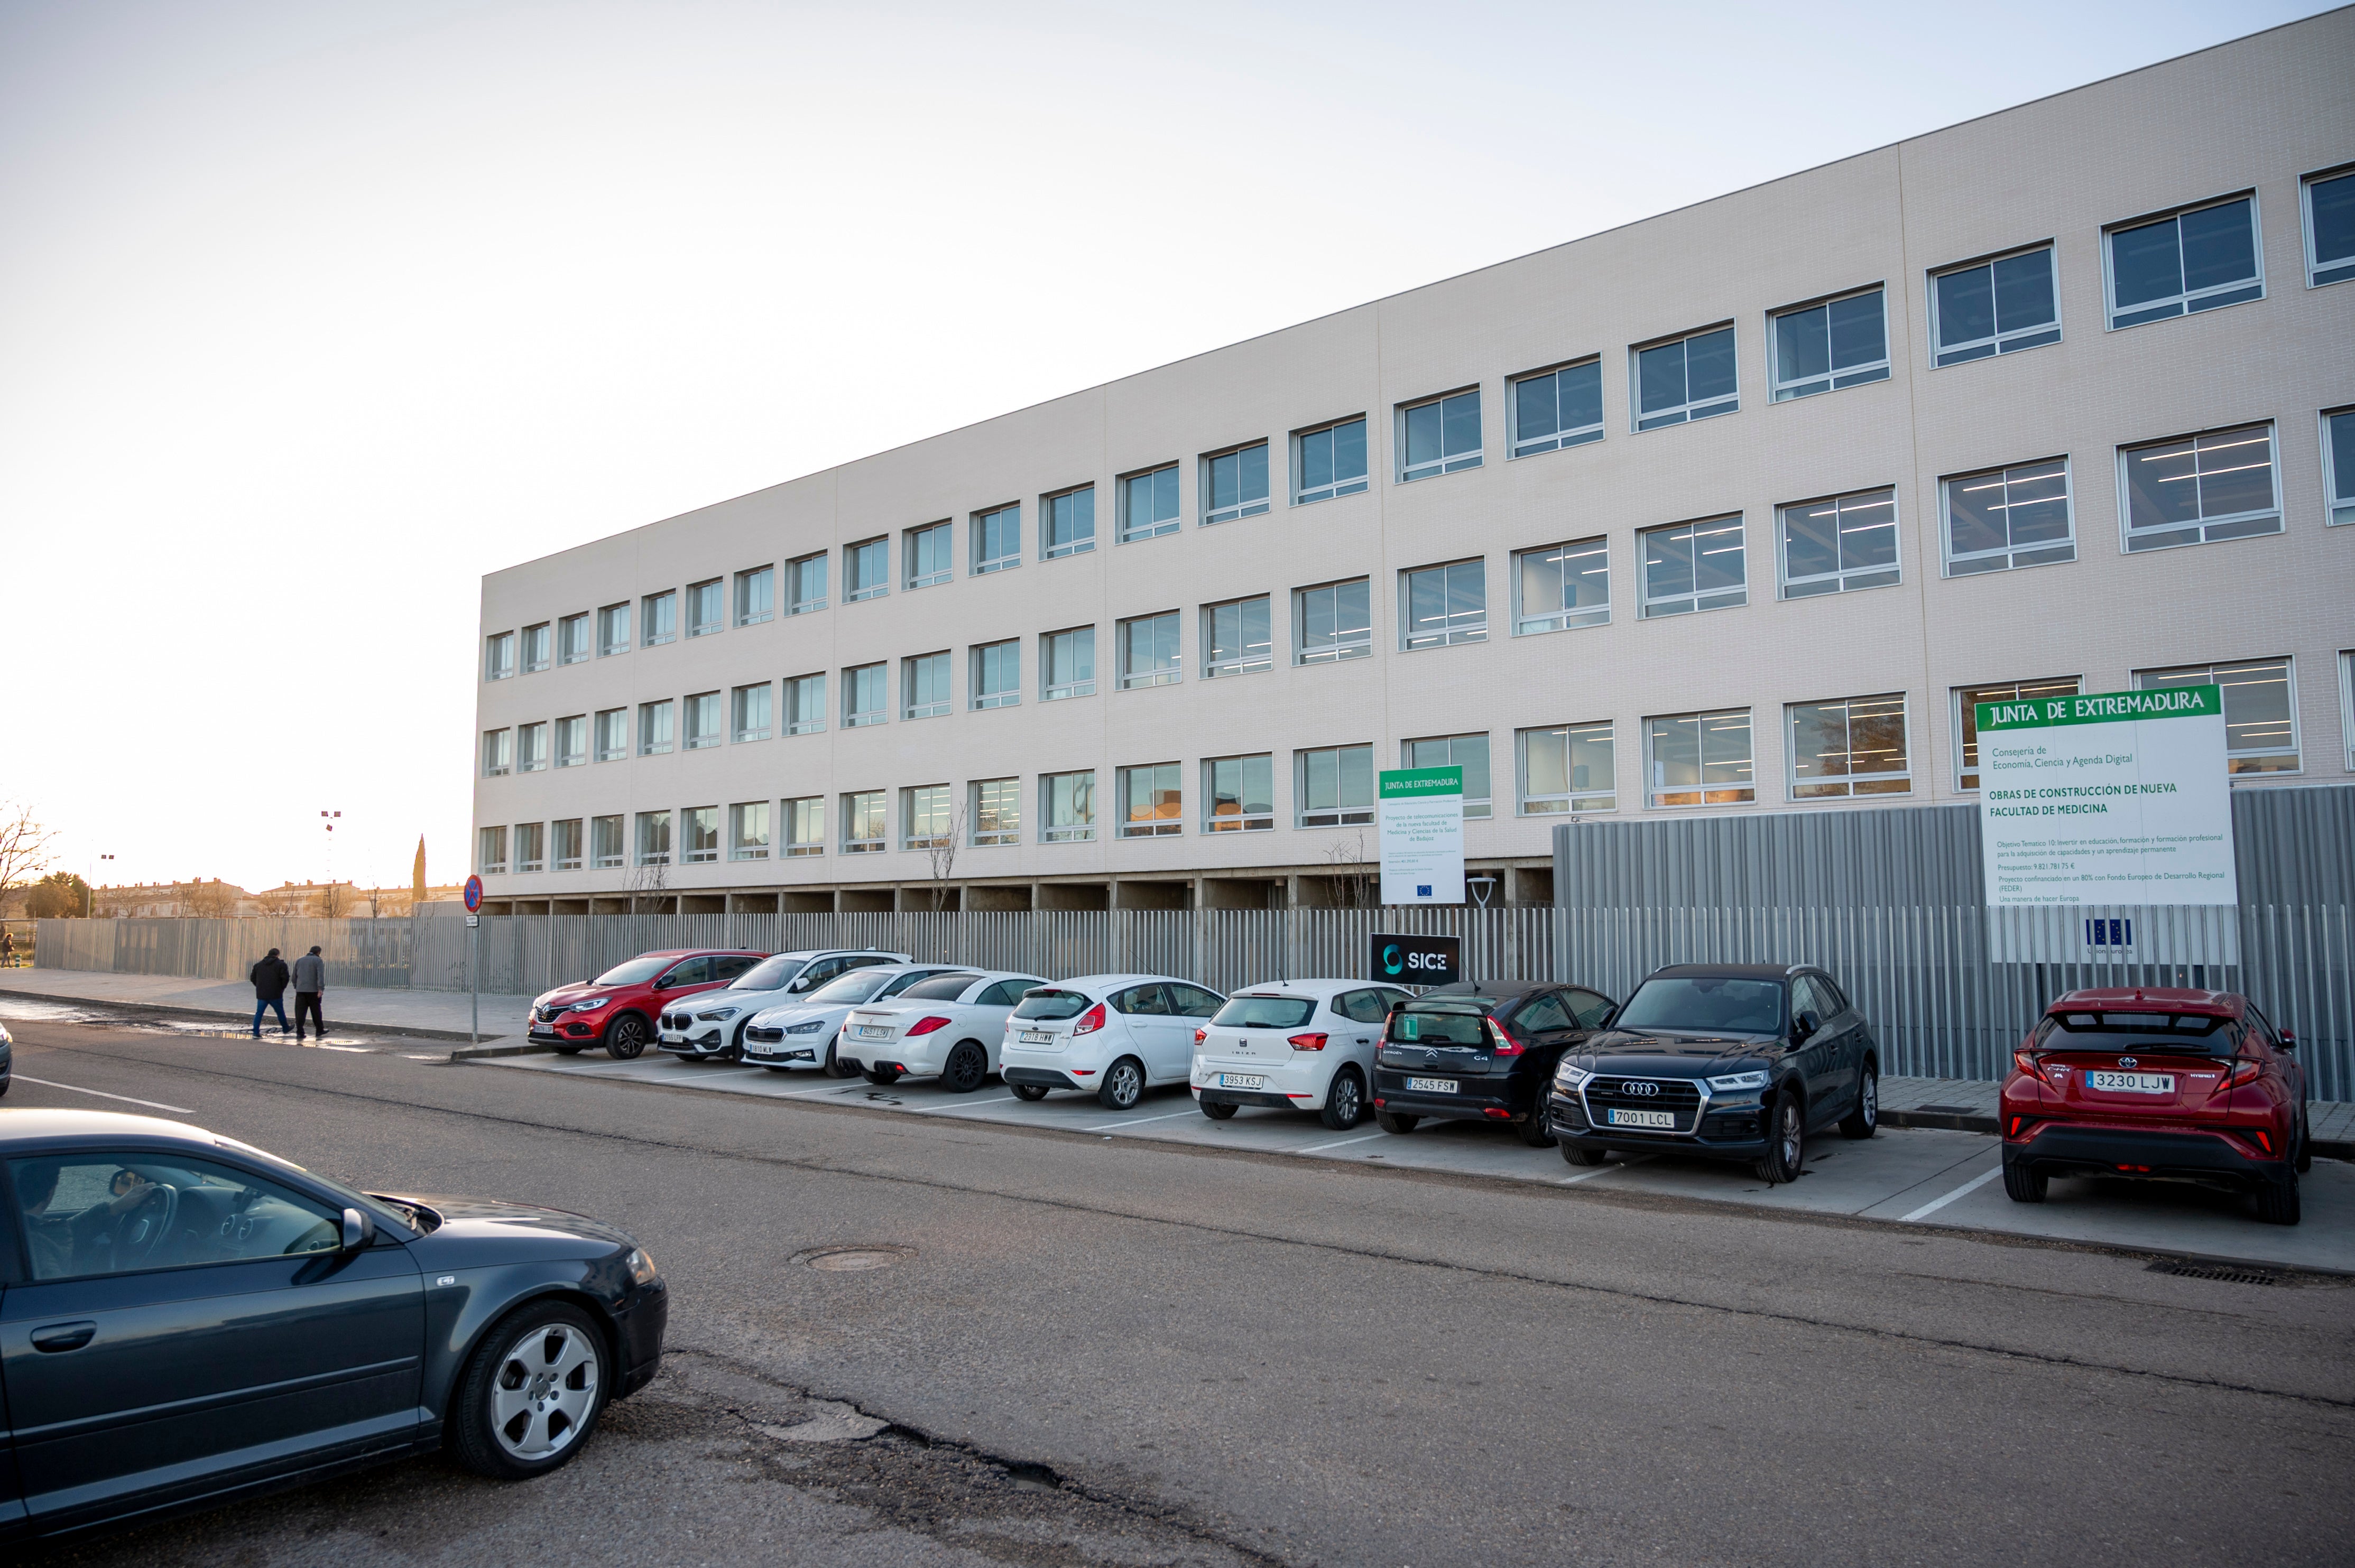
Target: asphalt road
(1099, 1351)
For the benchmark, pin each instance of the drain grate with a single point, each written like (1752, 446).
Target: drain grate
(2224, 1272)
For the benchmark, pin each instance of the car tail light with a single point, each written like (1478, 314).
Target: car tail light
(1199, 1033)
(1506, 1044)
(926, 1025)
(2246, 1073)
(1306, 1042)
(2260, 1137)
(1090, 1021)
(2024, 1060)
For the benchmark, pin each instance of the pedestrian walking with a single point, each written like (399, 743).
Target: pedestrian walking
(268, 976)
(309, 985)
(7, 949)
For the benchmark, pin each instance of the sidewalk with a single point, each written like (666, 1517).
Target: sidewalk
(437, 1014)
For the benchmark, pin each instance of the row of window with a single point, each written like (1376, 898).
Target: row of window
(1847, 747)
(2169, 264)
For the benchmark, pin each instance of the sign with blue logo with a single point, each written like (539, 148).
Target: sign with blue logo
(1415, 960)
(1421, 812)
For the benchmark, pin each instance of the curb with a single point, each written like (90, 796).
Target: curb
(1964, 1121)
(210, 1015)
(472, 1053)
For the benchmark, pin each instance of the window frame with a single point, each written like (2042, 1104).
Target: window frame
(647, 636)
(1336, 651)
(980, 526)
(560, 754)
(1239, 821)
(643, 853)
(2183, 297)
(1156, 824)
(531, 746)
(1942, 357)
(545, 643)
(740, 698)
(1343, 813)
(809, 723)
(1079, 544)
(564, 624)
(2060, 553)
(695, 734)
(558, 839)
(1528, 625)
(2336, 512)
(598, 750)
(1835, 378)
(499, 753)
(864, 718)
(915, 796)
(1125, 528)
(1476, 808)
(1449, 460)
(911, 554)
(1845, 788)
(797, 572)
(1687, 412)
(1168, 675)
(530, 847)
(912, 667)
(2197, 526)
(2346, 661)
(1341, 485)
(1205, 485)
(665, 709)
(979, 810)
(696, 825)
(1245, 663)
(739, 847)
(763, 577)
(1562, 440)
(609, 616)
(1075, 831)
(1644, 601)
(881, 587)
(490, 862)
(2296, 751)
(2310, 242)
(1452, 636)
(611, 830)
(1047, 691)
(790, 822)
(1655, 788)
(499, 656)
(1963, 705)
(855, 805)
(715, 588)
(1881, 577)
(980, 696)
(1573, 801)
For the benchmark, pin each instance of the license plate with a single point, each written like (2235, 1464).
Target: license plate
(1643, 1118)
(543, 1029)
(1241, 1081)
(754, 1048)
(1034, 1037)
(1435, 1086)
(874, 1031)
(2133, 1082)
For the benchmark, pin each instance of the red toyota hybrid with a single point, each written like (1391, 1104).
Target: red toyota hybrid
(618, 1009)
(2162, 1084)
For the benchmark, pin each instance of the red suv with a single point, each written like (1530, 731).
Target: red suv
(2182, 1085)
(618, 1009)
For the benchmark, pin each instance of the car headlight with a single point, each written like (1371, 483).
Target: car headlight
(812, 1027)
(642, 1265)
(1567, 1077)
(591, 1005)
(1757, 1080)
(715, 1017)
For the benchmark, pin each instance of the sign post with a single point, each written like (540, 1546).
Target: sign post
(1422, 830)
(473, 959)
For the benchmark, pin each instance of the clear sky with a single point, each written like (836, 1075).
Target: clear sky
(312, 313)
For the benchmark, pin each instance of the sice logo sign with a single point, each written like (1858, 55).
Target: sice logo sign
(1415, 960)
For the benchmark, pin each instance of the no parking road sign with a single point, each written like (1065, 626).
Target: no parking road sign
(473, 895)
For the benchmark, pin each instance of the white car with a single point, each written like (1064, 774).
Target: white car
(802, 1033)
(951, 1025)
(1110, 1035)
(697, 1028)
(1306, 1044)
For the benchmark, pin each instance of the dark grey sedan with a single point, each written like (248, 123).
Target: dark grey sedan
(185, 1319)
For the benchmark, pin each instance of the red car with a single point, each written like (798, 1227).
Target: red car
(2161, 1085)
(618, 1009)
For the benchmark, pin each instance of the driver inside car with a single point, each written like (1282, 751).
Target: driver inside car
(67, 1244)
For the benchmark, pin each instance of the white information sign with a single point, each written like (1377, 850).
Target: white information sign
(1422, 834)
(2121, 798)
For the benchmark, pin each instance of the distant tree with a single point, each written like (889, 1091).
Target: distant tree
(61, 896)
(213, 900)
(285, 900)
(25, 848)
(336, 900)
(941, 856)
(1354, 886)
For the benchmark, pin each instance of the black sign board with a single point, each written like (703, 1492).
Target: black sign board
(1416, 960)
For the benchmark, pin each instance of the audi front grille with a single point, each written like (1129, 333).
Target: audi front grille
(1680, 1097)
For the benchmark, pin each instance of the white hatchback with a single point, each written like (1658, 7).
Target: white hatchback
(951, 1025)
(802, 1033)
(1306, 1044)
(1110, 1035)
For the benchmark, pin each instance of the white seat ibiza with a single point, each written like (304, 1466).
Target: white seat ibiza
(1110, 1035)
(950, 1026)
(1303, 1046)
(802, 1033)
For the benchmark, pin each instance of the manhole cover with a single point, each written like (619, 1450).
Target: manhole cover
(853, 1259)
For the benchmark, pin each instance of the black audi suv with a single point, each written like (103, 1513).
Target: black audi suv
(1480, 1051)
(1737, 1062)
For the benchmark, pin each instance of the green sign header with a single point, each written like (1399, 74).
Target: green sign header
(1407, 783)
(2103, 707)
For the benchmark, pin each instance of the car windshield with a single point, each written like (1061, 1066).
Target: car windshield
(1705, 1004)
(855, 986)
(939, 988)
(637, 972)
(768, 974)
(1265, 1011)
(1419, 1024)
(2184, 1033)
(1050, 1005)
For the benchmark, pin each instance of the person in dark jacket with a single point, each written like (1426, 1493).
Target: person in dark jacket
(309, 985)
(269, 975)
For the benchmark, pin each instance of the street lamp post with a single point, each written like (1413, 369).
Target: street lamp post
(89, 885)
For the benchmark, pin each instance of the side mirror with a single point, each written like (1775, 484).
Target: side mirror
(2288, 1041)
(1608, 1015)
(358, 1230)
(1805, 1025)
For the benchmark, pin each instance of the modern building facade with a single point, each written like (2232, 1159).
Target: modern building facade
(1735, 509)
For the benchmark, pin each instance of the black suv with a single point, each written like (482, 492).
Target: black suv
(1481, 1051)
(1727, 1061)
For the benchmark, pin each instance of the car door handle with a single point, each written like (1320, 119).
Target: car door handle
(64, 1335)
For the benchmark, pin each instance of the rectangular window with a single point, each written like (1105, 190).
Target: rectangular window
(1148, 651)
(1235, 637)
(659, 616)
(924, 817)
(1998, 306)
(499, 753)
(654, 838)
(997, 539)
(707, 611)
(2260, 710)
(499, 656)
(1335, 786)
(2193, 259)
(1151, 802)
(1557, 409)
(606, 845)
(612, 629)
(531, 747)
(1439, 436)
(2347, 703)
(2199, 489)
(805, 826)
(1567, 767)
(566, 849)
(1068, 803)
(997, 674)
(1148, 505)
(997, 811)
(491, 857)
(573, 638)
(1067, 521)
(530, 846)
(613, 735)
(1700, 759)
(865, 698)
(1469, 752)
(1067, 664)
(1239, 793)
(747, 831)
(925, 685)
(926, 552)
(1688, 378)
(1829, 347)
(805, 585)
(1966, 716)
(1691, 567)
(1853, 747)
(2329, 227)
(863, 824)
(1839, 544)
(1234, 484)
(749, 711)
(2338, 465)
(2008, 517)
(698, 832)
(1444, 605)
(1562, 587)
(1336, 621)
(804, 705)
(865, 570)
(1329, 461)
(756, 595)
(538, 646)
(704, 720)
(655, 728)
(572, 741)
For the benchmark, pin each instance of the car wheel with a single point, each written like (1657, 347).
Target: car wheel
(2277, 1201)
(2024, 1185)
(1580, 1154)
(1344, 1101)
(882, 1075)
(1861, 1121)
(1391, 1122)
(626, 1040)
(834, 1068)
(1124, 1086)
(967, 1065)
(1028, 1091)
(2304, 1162)
(736, 1047)
(1786, 1141)
(531, 1393)
(1218, 1110)
(1536, 1129)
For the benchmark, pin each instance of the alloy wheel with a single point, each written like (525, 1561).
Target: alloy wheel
(545, 1389)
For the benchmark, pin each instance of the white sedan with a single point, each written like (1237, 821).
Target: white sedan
(950, 1026)
(802, 1033)
(1110, 1035)
(1302, 1045)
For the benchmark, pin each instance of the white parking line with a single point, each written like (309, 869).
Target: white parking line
(1321, 1147)
(101, 1093)
(960, 1104)
(1601, 1171)
(1935, 1205)
(1139, 1121)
